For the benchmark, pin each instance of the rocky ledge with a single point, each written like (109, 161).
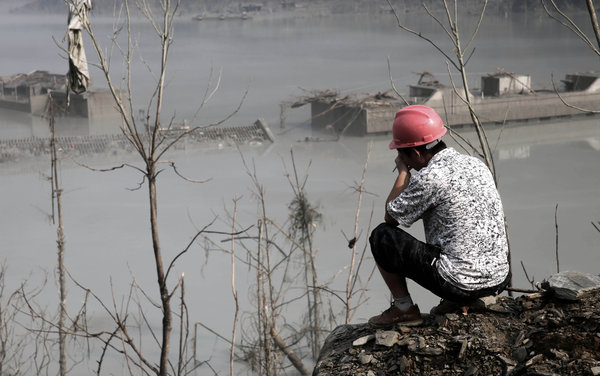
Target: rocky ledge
(555, 331)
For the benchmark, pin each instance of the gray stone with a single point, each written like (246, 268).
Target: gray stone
(440, 320)
(452, 316)
(405, 341)
(508, 362)
(463, 348)
(341, 338)
(520, 354)
(484, 303)
(571, 285)
(430, 351)
(412, 345)
(365, 358)
(595, 371)
(560, 355)
(534, 360)
(386, 338)
(363, 340)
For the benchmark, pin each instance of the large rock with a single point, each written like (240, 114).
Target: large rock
(571, 285)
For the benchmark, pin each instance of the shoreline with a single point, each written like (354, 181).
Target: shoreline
(299, 9)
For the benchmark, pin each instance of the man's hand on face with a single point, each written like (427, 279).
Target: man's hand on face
(401, 165)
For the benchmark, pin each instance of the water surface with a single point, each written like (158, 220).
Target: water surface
(540, 164)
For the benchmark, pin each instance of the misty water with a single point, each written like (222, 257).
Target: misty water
(541, 165)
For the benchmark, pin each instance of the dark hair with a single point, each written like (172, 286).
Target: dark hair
(430, 148)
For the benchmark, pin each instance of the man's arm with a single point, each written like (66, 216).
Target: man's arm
(399, 186)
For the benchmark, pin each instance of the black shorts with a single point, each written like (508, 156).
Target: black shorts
(398, 252)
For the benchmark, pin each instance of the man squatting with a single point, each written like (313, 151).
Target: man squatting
(465, 255)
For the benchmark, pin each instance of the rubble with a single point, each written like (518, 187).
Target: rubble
(534, 334)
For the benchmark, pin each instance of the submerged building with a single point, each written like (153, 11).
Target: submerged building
(43, 94)
(503, 97)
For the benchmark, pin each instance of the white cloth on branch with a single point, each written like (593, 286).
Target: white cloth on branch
(79, 76)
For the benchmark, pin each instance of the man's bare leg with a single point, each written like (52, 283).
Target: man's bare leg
(395, 282)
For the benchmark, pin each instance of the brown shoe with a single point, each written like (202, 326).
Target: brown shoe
(446, 306)
(393, 316)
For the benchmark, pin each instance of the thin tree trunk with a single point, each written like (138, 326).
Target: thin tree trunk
(316, 343)
(594, 20)
(60, 240)
(164, 293)
(235, 295)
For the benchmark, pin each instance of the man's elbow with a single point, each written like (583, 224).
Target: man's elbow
(389, 219)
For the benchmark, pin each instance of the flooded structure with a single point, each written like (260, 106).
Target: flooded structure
(257, 133)
(90, 113)
(89, 123)
(503, 97)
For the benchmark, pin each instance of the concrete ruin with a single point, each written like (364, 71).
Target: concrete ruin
(90, 113)
(503, 97)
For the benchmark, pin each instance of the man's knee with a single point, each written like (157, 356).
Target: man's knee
(384, 247)
(378, 234)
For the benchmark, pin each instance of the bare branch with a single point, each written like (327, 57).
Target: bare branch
(213, 124)
(594, 20)
(418, 34)
(530, 280)
(568, 104)
(392, 82)
(208, 93)
(294, 359)
(174, 167)
(567, 22)
(476, 31)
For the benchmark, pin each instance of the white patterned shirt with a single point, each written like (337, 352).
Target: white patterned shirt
(462, 213)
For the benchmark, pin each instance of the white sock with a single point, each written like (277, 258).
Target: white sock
(403, 303)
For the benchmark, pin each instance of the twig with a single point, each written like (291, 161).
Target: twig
(392, 82)
(568, 104)
(233, 291)
(556, 227)
(214, 332)
(530, 280)
(526, 291)
(294, 359)
(571, 25)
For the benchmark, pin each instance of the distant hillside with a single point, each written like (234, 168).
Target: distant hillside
(271, 6)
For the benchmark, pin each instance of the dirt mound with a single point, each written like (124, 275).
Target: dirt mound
(534, 334)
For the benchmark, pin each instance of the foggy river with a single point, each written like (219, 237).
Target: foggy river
(540, 164)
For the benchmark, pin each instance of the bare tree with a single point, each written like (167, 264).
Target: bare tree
(27, 346)
(303, 220)
(60, 242)
(12, 346)
(283, 258)
(151, 143)
(279, 261)
(352, 283)
(234, 291)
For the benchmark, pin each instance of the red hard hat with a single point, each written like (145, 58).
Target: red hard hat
(416, 125)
